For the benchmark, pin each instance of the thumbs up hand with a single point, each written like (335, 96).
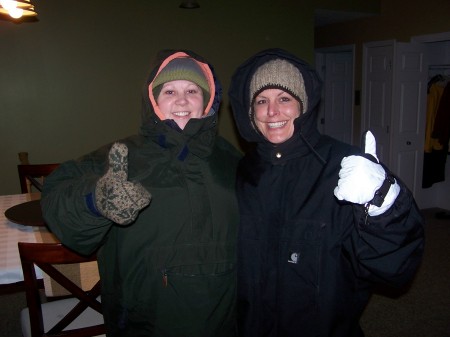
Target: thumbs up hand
(116, 198)
(361, 176)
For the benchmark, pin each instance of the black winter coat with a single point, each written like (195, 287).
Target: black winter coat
(307, 262)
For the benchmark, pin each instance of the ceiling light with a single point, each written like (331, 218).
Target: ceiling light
(189, 4)
(17, 8)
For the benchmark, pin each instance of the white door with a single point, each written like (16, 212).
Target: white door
(335, 68)
(408, 119)
(377, 94)
(394, 101)
(338, 86)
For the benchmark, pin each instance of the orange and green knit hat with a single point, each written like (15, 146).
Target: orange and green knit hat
(184, 68)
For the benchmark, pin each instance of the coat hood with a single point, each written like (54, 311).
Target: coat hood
(239, 94)
(151, 116)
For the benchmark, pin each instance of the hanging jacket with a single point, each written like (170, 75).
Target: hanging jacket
(307, 262)
(172, 271)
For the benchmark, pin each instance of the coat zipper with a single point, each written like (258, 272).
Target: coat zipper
(164, 278)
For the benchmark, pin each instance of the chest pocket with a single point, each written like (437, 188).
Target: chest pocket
(196, 292)
(281, 271)
(299, 269)
(299, 252)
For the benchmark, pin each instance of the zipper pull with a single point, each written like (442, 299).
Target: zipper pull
(164, 278)
(366, 212)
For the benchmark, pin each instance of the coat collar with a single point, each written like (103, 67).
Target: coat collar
(299, 145)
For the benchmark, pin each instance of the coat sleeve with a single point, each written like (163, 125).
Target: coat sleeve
(64, 205)
(388, 248)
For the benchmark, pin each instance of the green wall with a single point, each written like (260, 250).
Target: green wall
(72, 81)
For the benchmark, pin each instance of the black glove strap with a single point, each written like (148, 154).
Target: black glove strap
(381, 193)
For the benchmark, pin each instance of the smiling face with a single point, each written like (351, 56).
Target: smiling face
(275, 111)
(181, 100)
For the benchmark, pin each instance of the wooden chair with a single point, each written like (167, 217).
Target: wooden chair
(33, 175)
(76, 316)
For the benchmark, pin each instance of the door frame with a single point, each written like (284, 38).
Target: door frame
(436, 195)
(429, 38)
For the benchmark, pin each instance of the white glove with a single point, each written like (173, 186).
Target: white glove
(116, 198)
(360, 178)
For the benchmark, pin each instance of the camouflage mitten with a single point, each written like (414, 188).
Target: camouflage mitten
(116, 198)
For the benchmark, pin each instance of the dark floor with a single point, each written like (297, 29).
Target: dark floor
(423, 311)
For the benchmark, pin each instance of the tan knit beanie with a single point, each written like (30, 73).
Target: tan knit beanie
(279, 74)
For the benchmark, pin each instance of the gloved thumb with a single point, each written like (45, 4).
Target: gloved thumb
(370, 145)
(118, 161)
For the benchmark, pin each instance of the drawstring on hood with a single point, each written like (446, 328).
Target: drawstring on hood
(304, 84)
(318, 156)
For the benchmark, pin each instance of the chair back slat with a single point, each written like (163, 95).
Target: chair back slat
(33, 175)
(45, 256)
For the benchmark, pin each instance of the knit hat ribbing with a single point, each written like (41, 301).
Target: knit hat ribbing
(279, 74)
(182, 69)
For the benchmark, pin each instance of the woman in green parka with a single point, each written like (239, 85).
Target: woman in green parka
(160, 210)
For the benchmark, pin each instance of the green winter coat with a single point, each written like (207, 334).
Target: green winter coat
(172, 271)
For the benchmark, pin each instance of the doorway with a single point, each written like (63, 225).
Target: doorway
(335, 67)
(395, 90)
(437, 48)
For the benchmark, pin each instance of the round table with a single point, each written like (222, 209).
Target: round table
(28, 213)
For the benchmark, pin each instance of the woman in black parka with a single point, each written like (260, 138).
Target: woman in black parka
(322, 222)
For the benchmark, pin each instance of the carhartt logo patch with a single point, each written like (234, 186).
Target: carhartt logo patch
(293, 257)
